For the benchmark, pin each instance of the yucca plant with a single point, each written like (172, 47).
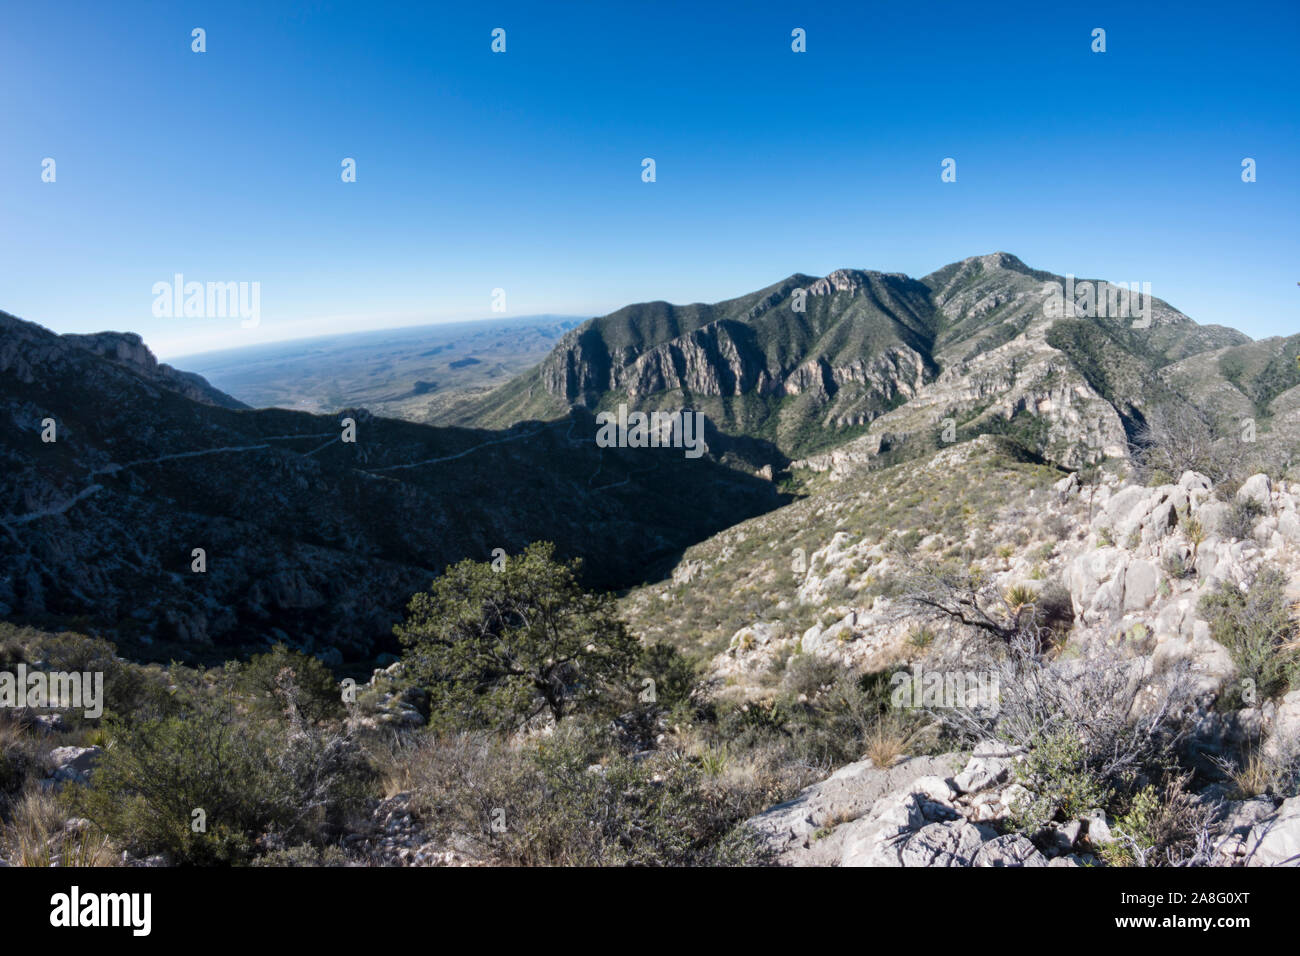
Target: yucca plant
(1019, 596)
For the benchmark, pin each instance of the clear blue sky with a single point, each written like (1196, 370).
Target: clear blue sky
(523, 170)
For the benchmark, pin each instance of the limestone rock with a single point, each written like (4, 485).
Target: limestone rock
(1009, 850)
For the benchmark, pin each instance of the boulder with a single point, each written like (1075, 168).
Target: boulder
(1193, 482)
(953, 843)
(1284, 739)
(934, 787)
(1276, 841)
(791, 829)
(1141, 581)
(73, 764)
(981, 772)
(1060, 837)
(1009, 850)
(879, 838)
(1098, 829)
(1211, 515)
(1258, 488)
(1288, 526)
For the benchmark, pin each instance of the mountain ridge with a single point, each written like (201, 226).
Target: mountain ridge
(808, 364)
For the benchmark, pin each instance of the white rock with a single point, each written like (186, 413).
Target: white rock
(74, 764)
(981, 772)
(954, 843)
(1141, 581)
(1009, 850)
(1258, 488)
(1284, 740)
(1276, 841)
(934, 787)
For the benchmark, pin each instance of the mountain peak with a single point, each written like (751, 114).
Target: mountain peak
(841, 280)
(125, 349)
(998, 260)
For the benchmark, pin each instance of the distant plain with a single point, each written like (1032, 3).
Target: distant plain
(422, 373)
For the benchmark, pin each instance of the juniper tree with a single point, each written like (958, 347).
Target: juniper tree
(498, 647)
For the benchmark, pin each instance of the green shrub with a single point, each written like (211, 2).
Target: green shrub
(128, 688)
(263, 678)
(1061, 783)
(1160, 826)
(1240, 520)
(573, 800)
(304, 854)
(496, 648)
(673, 673)
(1176, 567)
(12, 653)
(21, 757)
(1257, 630)
(250, 777)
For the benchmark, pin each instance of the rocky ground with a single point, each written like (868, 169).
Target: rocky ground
(920, 812)
(1135, 571)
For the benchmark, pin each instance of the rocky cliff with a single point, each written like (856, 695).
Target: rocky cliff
(866, 362)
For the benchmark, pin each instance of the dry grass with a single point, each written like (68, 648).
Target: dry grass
(36, 836)
(888, 740)
(1292, 645)
(1254, 776)
(1259, 773)
(12, 734)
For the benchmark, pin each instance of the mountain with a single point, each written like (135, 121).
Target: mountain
(308, 539)
(128, 349)
(319, 542)
(809, 364)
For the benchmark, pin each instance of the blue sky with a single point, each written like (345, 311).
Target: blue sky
(522, 170)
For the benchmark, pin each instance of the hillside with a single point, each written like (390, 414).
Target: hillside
(309, 539)
(809, 364)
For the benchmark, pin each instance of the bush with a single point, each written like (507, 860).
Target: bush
(12, 653)
(673, 673)
(1258, 771)
(1092, 729)
(496, 648)
(1257, 630)
(318, 696)
(1177, 437)
(128, 688)
(573, 800)
(304, 854)
(21, 758)
(1176, 567)
(36, 834)
(1240, 520)
(826, 715)
(1163, 825)
(1062, 783)
(250, 777)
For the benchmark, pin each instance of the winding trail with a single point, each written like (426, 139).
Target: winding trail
(114, 468)
(460, 454)
(52, 509)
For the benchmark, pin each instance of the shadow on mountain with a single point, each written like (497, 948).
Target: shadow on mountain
(191, 531)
